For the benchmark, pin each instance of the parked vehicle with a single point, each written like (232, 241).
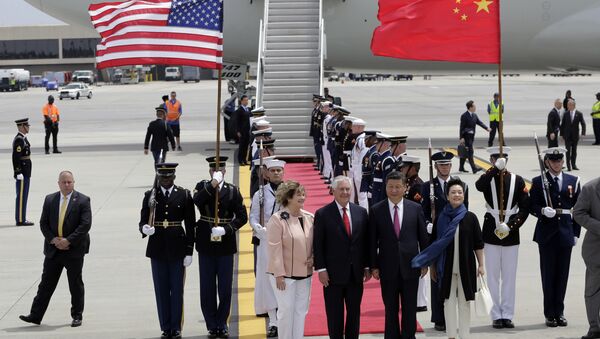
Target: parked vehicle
(75, 90)
(172, 73)
(84, 76)
(62, 77)
(403, 77)
(51, 85)
(191, 73)
(130, 76)
(16, 79)
(36, 81)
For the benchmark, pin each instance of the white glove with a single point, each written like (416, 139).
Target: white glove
(261, 232)
(148, 230)
(218, 176)
(429, 228)
(20, 176)
(187, 261)
(575, 241)
(217, 231)
(549, 212)
(500, 163)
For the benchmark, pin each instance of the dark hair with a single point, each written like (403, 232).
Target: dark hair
(395, 175)
(165, 97)
(454, 182)
(470, 104)
(243, 97)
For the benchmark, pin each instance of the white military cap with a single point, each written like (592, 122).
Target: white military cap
(495, 150)
(263, 131)
(410, 159)
(256, 162)
(275, 163)
(554, 153)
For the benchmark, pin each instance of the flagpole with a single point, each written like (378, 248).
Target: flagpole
(218, 145)
(500, 118)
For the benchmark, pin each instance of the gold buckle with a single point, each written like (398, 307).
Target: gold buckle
(165, 223)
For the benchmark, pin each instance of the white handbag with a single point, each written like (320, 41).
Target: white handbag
(483, 298)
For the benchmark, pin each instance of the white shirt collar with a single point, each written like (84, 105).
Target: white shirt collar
(164, 190)
(340, 207)
(68, 196)
(400, 205)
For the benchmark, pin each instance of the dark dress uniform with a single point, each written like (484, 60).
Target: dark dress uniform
(414, 189)
(366, 184)
(216, 258)
(378, 190)
(555, 238)
(168, 246)
(340, 137)
(316, 130)
(21, 160)
(330, 128)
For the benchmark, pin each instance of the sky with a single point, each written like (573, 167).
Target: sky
(20, 13)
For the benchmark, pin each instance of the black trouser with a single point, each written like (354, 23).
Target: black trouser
(318, 151)
(51, 128)
(335, 297)
(226, 126)
(50, 275)
(395, 292)
(469, 138)
(553, 143)
(555, 262)
(243, 149)
(571, 146)
(156, 155)
(437, 304)
(596, 124)
(494, 128)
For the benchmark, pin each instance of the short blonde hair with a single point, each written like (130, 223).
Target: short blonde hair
(287, 190)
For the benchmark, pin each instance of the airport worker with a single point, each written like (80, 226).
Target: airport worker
(174, 111)
(501, 225)
(366, 169)
(468, 122)
(316, 128)
(264, 297)
(587, 214)
(493, 110)
(555, 231)
(168, 219)
(21, 159)
(51, 119)
(161, 134)
(596, 119)
(553, 124)
(65, 224)
(216, 243)
(569, 132)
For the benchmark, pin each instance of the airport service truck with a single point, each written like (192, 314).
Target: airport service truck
(191, 73)
(15, 79)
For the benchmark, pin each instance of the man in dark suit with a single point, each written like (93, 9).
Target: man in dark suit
(65, 223)
(242, 122)
(397, 235)
(553, 124)
(341, 257)
(569, 131)
(216, 243)
(468, 122)
(161, 134)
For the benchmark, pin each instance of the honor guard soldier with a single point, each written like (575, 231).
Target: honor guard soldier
(264, 297)
(216, 244)
(556, 232)
(328, 123)
(443, 166)
(316, 128)
(383, 150)
(501, 233)
(268, 151)
(366, 169)
(390, 161)
(21, 159)
(341, 130)
(168, 219)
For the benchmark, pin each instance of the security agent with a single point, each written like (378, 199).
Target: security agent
(21, 159)
(216, 244)
(555, 232)
(501, 233)
(161, 134)
(170, 245)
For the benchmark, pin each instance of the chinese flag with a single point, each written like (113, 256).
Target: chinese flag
(441, 30)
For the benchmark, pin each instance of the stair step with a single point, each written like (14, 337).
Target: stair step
(305, 104)
(299, 126)
(291, 53)
(292, 60)
(310, 19)
(287, 135)
(300, 142)
(291, 75)
(292, 82)
(304, 12)
(293, 38)
(287, 97)
(290, 89)
(291, 31)
(290, 25)
(290, 67)
(314, 45)
(294, 5)
(301, 111)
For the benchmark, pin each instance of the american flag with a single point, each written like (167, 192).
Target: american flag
(149, 32)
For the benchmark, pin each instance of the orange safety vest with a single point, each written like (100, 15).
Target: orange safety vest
(173, 110)
(51, 111)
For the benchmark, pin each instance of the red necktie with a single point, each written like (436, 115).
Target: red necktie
(396, 222)
(346, 222)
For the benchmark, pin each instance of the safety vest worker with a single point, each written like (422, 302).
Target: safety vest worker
(51, 111)
(494, 111)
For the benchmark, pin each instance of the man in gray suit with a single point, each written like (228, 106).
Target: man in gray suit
(587, 214)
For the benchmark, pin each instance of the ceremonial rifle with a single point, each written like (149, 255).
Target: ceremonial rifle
(545, 183)
(261, 187)
(152, 199)
(431, 186)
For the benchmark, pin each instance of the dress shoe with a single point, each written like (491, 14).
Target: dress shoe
(463, 170)
(29, 319)
(179, 148)
(165, 335)
(422, 309)
(223, 333)
(575, 168)
(272, 332)
(25, 223)
(507, 323)
(591, 335)
(596, 143)
(551, 322)
(562, 321)
(440, 327)
(176, 335)
(76, 323)
(263, 315)
(213, 333)
(47, 152)
(56, 151)
(497, 323)
(476, 170)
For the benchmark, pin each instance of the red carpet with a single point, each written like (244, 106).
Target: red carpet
(372, 312)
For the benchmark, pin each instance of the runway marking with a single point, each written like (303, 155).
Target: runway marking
(250, 326)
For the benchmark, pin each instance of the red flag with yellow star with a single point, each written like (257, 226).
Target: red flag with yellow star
(441, 30)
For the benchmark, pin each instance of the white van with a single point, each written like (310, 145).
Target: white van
(172, 73)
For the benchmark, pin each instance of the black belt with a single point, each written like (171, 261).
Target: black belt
(210, 220)
(27, 157)
(166, 224)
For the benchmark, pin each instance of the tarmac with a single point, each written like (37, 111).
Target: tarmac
(102, 144)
